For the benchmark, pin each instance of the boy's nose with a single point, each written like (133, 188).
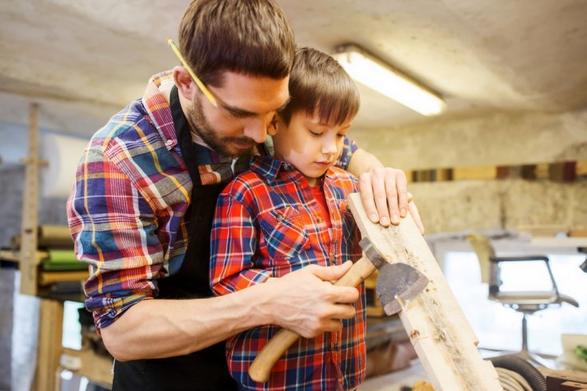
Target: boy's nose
(329, 147)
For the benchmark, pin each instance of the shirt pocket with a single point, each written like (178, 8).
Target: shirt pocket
(284, 233)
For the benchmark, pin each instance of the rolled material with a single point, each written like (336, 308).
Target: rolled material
(49, 236)
(62, 260)
(62, 155)
(55, 236)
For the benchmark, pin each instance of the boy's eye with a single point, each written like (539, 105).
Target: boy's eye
(315, 133)
(339, 135)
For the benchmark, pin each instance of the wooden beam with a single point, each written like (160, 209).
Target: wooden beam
(436, 325)
(28, 251)
(49, 345)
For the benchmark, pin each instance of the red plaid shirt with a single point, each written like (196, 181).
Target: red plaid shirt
(268, 224)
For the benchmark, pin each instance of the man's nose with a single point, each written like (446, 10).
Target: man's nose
(256, 130)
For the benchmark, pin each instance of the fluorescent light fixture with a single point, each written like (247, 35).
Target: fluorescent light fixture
(381, 77)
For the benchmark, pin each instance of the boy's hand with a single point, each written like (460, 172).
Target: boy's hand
(385, 196)
(305, 301)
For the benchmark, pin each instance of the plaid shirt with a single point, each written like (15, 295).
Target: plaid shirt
(126, 211)
(267, 224)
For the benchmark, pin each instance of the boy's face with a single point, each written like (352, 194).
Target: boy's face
(309, 145)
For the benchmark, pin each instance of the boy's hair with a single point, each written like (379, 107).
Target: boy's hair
(250, 37)
(319, 85)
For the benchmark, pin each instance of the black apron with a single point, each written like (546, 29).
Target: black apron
(205, 369)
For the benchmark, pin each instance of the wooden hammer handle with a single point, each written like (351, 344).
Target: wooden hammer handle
(260, 369)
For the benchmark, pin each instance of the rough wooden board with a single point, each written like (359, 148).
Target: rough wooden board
(438, 329)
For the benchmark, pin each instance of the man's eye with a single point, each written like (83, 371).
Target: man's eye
(339, 135)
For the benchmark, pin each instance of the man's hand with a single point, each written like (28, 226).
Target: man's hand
(306, 302)
(385, 196)
(384, 190)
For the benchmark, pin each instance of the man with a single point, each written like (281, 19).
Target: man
(145, 193)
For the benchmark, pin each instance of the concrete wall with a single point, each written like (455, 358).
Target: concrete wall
(489, 139)
(508, 204)
(485, 139)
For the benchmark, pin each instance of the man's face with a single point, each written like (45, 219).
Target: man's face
(247, 106)
(310, 145)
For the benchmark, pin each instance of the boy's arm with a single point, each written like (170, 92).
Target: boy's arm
(232, 246)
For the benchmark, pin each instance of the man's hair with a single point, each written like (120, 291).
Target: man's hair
(319, 85)
(250, 37)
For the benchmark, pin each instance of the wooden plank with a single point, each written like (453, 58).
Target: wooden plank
(49, 345)
(14, 256)
(438, 329)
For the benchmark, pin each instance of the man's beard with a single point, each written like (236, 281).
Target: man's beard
(200, 125)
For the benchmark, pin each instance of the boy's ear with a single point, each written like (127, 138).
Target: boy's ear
(183, 81)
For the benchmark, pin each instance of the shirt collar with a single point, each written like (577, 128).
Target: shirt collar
(270, 168)
(156, 102)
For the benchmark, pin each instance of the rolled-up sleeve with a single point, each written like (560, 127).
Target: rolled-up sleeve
(349, 147)
(114, 231)
(232, 248)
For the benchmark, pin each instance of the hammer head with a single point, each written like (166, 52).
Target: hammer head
(397, 282)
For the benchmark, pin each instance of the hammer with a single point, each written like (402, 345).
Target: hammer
(396, 284)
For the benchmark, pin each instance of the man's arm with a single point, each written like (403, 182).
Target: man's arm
(303, 301)
(384, 190)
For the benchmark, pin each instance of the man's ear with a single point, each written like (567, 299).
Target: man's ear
(184, 83)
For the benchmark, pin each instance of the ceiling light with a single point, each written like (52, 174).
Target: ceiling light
(381, 77)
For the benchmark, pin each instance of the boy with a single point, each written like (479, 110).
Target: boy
(288, 212)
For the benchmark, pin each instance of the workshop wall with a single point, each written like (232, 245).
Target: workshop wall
(484, 140)
(504, 204)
